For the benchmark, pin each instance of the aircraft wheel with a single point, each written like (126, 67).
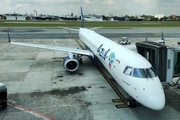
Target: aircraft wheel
(4, 104)
(132, 103)
(80, 60)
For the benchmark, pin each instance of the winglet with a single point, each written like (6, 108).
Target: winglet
(162, 36)
(82, 18)
(9, 40)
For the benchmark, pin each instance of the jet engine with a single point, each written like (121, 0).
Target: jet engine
(71, 64)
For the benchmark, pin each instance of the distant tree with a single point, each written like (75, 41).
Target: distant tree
(105, 18)
(164, 18)
(56, 18)
(127, 16)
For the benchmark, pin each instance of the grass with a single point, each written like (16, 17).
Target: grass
(107, 24)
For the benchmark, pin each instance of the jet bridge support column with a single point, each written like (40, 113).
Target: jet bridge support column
(176, 64)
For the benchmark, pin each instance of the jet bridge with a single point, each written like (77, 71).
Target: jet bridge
(164, 59)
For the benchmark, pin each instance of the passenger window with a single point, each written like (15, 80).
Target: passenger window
(128, 70)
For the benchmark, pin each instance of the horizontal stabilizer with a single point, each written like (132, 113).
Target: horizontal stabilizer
(131, 47)
(69, 28)
(96, 28)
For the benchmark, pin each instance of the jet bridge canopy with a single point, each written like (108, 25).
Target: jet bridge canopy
(161, 57)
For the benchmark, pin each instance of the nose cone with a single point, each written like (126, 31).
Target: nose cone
(156, 101)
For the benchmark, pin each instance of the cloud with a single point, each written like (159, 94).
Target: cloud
(109, 2)
(145, 1)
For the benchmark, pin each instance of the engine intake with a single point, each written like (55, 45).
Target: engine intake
(70, 64)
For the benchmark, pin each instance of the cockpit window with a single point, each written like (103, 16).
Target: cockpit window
(128, 70)
(151, 73)
(144, 73)
(141, 73)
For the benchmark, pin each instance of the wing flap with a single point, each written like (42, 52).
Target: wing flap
(132, 47)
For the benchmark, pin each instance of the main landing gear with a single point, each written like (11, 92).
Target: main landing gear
(80, 60)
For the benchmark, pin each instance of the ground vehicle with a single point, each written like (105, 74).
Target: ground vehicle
(3, 95)
(125, 40)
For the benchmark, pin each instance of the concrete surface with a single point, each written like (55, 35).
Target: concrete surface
(39, 88)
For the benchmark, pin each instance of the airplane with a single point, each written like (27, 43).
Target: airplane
(132, 71)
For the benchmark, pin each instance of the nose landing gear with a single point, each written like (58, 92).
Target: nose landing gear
(132, 103)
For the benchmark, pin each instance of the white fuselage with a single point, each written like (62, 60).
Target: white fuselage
(122, 64)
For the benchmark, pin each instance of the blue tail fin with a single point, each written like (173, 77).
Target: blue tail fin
(82, 18)
(162, 36)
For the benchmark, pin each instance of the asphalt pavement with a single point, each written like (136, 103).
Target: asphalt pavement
(59, 33)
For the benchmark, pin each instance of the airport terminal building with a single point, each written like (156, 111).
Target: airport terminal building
(92, 17)
(16, 17)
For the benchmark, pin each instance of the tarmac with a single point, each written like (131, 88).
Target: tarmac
(116, 33)
(39, 88)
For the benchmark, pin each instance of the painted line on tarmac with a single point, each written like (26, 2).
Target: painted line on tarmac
(38, 114)
(55, 42)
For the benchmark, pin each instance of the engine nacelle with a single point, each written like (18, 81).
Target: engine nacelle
(70, 64)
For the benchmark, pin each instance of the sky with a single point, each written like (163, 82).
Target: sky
(98, 7)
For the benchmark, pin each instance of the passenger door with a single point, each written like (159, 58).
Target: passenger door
(115, 67)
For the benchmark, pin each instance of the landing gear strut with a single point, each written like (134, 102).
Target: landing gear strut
(80, 60)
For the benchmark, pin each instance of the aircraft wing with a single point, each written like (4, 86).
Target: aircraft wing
(57, 48)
